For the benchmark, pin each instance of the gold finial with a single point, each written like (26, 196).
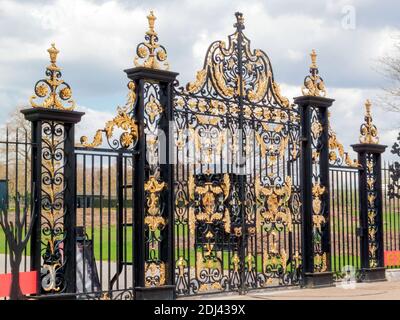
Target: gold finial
(53, 91)
(150, 54)
(369, 132)
(151, 19)
(53, 52)
(313, 56)
(313, 84)
(239, 25)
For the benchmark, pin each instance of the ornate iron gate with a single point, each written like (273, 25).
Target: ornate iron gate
(221, 185)
(237, 202)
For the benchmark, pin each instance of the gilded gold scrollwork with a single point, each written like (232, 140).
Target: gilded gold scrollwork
(313, 83)
(208, 194)
(54, 91)
(150, 54)
(336, 149)
(368, 131)
(154, 274)
(153, 219)
(272, 204)
(124, 120)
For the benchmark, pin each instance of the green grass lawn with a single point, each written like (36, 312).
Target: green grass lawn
(105, 247)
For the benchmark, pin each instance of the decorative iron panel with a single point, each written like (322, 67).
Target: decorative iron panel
(237, 202)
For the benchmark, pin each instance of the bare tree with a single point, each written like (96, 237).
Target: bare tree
(389, 67)
(17, 240)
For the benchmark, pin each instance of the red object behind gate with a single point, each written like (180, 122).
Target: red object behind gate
(27, 281)
(392, 258)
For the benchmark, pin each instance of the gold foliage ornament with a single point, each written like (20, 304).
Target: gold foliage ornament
(153, 219)
(207, 199)
(53, 91)
(369, 132)
(273, 208)
(336, 149)
(154, 274)
(124, 120)
(313, 84)
(150, 54)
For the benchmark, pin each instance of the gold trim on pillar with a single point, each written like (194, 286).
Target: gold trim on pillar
(54, 92)
(150, 54)
(313, 84)
(337, 155)
(368, 131)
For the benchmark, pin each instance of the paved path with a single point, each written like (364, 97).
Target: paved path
(387, 290)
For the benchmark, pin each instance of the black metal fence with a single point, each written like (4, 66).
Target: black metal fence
(391, 217)
(15, 181)
(345, 209)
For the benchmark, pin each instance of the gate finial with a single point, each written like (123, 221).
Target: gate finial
(369, 132)
(53, 91)
(313, 84)
(239, 25)
(150, 53)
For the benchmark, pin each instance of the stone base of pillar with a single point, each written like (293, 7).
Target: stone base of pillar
(373, 274)
(318, 280)
(155, 293)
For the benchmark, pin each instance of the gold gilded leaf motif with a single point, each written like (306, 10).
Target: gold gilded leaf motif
(336, 149)
(221, 85)
(154, 274)
(153, 108)
(313, 83)
(316, 129)
(53, 90)
(200, 80)
(281, 99)
(261, 90)
(369, 132)
(150, 54)
(123, 120)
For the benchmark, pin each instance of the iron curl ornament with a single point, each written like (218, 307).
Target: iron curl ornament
(54, 92)
(123, 120)
(313, 84)
(150, 54)
(368, 131)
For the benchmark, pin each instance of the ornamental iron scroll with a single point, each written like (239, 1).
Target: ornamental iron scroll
(54, 92)
(53, 209)
(319, 207)
(155, 189)
(232, 122)
(221, 77)
(313, 84)
(150, 54)
(368, 131)
(337, 155)
(124, 120)
(372, 210)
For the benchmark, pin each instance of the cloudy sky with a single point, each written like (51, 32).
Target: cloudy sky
(97, 40)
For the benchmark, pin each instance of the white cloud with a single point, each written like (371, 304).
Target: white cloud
(97, 41)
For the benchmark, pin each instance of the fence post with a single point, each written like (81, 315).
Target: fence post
(370, 197)
(153, 182)
(53, 178)
(314, 178)
(53, 175)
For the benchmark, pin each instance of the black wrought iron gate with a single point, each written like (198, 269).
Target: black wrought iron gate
(221, 185)
(237, 202)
